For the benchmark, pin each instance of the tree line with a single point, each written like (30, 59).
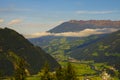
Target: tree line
(62, 73)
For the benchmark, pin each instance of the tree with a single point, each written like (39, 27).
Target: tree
(20, 73)
(65, 73)
(70, 73)
(19, 65)
(60, 73)
(46, 72)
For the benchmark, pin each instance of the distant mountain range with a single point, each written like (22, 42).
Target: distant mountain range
(74, 29)
(14, 46)
(74, 25)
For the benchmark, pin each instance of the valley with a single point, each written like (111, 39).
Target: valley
(100, 51)
(59, 39)
(90, 57)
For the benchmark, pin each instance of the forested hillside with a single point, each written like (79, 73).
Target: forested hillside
(14, 47)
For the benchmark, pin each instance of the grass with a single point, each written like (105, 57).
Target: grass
(82, 69)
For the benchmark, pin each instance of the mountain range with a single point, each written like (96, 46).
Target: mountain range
(98, 47)
(74, 25)
(74, 29)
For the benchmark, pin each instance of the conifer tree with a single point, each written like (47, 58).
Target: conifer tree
(19, 65)
(60, 73)
(66, 73)
(46, 72)
(20, 73)
(70, 73)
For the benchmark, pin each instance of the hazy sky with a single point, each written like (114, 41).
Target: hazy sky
(31, 16)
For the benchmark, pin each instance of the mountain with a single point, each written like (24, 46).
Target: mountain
(74, 25)
(14, 46)
(59, 46)
(103, 50)
(81, 28)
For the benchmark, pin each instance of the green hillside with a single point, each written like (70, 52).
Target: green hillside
(104, 50)
(60, 48)
(14, 46)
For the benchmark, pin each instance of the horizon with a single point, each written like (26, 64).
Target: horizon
(29, 16)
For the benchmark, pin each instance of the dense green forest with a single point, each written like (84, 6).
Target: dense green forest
(14, 47)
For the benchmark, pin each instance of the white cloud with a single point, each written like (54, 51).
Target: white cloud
(39, 34)
(86, 32)
(95, 12)
(83, 33)
(1, 20)
(15, 21)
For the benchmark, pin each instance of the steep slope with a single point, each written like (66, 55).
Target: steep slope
(104, 50)
(11, 41)
(74, 25)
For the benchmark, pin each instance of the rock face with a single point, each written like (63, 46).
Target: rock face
(74, 25)
(35, 57)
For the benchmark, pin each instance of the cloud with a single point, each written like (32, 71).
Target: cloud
(86, 32)
(39, 34)
(1, 20)
(83, 33)
(12, 9)
(15, 21)
(95, 12)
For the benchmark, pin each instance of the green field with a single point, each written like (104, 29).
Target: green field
(81, 69)
(84, 70)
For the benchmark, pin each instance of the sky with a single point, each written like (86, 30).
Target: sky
(33, 16)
